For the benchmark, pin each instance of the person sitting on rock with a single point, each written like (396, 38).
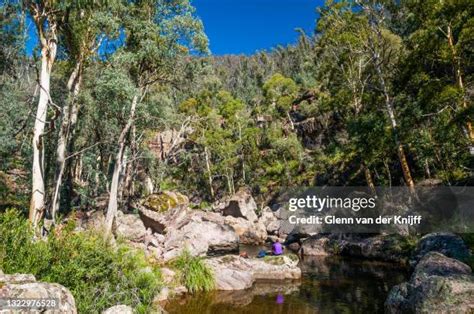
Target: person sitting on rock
(277, 248)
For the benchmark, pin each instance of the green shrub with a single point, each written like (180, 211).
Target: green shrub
(19, 253)
(194, 274)
(97, 274)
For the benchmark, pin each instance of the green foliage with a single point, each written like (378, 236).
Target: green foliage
(19, 252)
(97, 274)
(194, 274)
(311, 113)
(280, 92)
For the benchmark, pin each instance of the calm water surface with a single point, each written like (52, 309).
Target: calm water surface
(329, 285)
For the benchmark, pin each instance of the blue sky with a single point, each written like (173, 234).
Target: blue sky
(246, 26)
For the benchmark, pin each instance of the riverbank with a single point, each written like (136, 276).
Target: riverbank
(328, 283)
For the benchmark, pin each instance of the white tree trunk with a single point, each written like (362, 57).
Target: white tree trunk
(209, 173)
(37, 203)
(68, 123)
(114, 186)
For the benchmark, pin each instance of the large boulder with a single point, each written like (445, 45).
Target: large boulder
(130, 227)
(437, 264)
(22, 286)
(164, 201)
(448, 244)
(315, 246)
(439, 284)
(200, 237)
(270, 220)
(232, 272)
(248, 232)
(160, 210)
(240, 205)
(232, 279)
(390, 247)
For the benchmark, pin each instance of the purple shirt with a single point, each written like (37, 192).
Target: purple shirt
(277, 249)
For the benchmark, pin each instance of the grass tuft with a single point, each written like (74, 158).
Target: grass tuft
(193, 272)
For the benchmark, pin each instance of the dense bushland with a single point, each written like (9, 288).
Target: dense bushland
(380, 94)
(98, 274)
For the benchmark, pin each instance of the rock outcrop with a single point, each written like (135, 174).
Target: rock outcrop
(437, 264)
(439, 284)
(391, 248)
(130, 227)
(315, 246)
(236, 273)
(159, 210)
(448, 244)
(248, 232)
(270, 220)
(165, 141)
(240, 205)
(23, 286)
(200, 236)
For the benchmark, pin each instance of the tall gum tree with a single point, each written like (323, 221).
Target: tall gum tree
(381, 46)
(44, 16)
(158, 34)
(347, 68)
(85, 28)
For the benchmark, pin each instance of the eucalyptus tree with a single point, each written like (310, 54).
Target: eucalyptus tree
(67, 24)
(158, 34)
(440, 38)
(384, 49)
(46, 16)
(86, 26)
(346, 71)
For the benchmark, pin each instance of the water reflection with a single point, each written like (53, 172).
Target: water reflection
(329, 285)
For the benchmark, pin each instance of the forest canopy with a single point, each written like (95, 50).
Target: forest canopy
(121, 99)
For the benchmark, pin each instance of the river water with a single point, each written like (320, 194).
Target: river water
(329, 285)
